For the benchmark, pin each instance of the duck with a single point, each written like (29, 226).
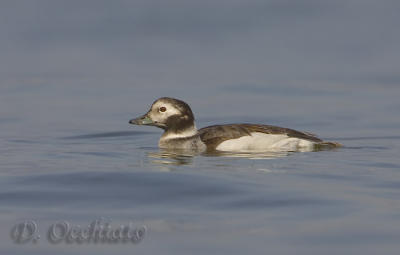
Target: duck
(176, 118)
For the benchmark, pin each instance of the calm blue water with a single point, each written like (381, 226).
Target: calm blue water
(73, 74)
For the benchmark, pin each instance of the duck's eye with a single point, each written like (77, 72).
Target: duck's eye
(163, 109)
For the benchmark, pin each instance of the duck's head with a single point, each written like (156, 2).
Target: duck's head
(169, 114)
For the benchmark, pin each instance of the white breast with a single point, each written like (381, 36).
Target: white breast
(261, 141)
(185, 134)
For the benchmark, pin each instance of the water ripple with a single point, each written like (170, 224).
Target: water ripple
(108, 134)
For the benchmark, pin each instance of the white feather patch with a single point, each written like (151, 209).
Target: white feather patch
(186, 133)
(171, 110)
(261, 141)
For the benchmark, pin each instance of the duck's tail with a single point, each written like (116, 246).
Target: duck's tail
(327, 145)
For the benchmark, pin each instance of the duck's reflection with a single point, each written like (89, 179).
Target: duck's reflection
(249, 154)
(185, 157)
(172, 157)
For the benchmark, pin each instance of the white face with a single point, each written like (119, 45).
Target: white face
(160, 111)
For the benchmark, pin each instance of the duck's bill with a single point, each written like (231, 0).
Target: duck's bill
(143, 120)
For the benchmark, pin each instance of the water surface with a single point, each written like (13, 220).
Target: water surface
(72, 75)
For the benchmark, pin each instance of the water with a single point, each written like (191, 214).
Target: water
(72, 75)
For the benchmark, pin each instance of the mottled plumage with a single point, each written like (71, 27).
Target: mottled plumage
(177, 120)
(215, 135)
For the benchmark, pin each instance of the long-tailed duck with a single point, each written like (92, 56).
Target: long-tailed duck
(177, 120)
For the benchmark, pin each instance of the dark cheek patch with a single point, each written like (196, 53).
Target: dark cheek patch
(178, 124)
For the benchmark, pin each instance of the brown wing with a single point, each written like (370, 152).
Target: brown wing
(212, 136)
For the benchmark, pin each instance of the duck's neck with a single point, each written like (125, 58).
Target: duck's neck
(174, 133)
